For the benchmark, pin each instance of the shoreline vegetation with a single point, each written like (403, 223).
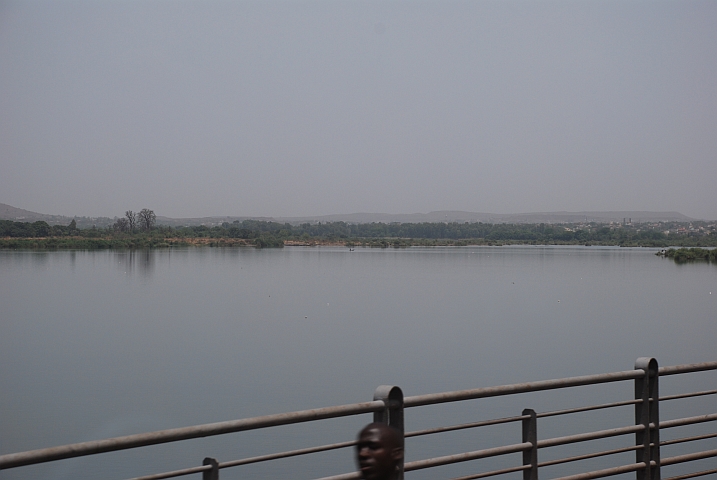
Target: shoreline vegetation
(141, 233)
(682, 255)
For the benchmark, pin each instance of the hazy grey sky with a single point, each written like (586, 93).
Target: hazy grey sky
(197, 108)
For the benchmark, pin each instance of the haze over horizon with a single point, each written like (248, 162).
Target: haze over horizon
(308, 108)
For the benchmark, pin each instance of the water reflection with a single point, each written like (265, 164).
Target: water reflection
(40, 259)
(136, 261)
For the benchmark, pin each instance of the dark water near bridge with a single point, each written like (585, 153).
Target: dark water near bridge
(102, 344)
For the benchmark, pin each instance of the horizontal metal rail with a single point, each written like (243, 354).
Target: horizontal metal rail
(290, 453)
(679, 422)
(184, 433)
(623, 403)
(463, 426)
(582, 437)
(588, 409)
(689, 368)
(467, 456)
(688, 439)
(607, 472)
(688, 395)
(688, 457)
(587, 456)
(444, 397)
(693, 475)
(246, 461)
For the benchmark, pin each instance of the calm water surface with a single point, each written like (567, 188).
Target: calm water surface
(102, 344)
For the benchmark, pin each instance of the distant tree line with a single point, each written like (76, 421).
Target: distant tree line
(140, 229)
(486, 232)
(8, 228)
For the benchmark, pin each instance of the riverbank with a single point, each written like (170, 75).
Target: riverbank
(681, 255)
(262, 234)
(139, 242)
(111, 243)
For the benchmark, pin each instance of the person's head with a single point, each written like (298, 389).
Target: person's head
(379, 451)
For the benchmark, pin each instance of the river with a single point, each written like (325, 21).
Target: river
(104, 343)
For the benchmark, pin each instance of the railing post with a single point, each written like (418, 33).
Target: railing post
(213, 473)
(647, 414)
(530, 434)
(392, 414)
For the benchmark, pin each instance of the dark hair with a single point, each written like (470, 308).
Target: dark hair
(388, 433)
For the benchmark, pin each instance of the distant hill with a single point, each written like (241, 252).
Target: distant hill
(8, 212)
(459, 216)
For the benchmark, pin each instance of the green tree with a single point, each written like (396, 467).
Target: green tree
(42, 229)
(147, 219)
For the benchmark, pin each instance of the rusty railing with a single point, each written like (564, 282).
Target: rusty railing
(389, 404)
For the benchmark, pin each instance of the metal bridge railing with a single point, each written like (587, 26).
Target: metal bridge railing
(388, 407)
